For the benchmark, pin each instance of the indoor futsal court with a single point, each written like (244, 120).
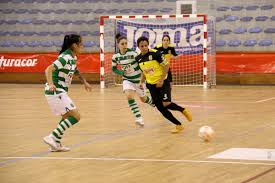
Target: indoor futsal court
(137, 91)
(108, 147)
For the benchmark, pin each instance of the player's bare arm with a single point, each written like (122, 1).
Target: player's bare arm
(165, 64)
(49, 72)
(83, 80)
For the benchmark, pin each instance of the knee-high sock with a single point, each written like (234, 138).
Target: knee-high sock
(134, 108)
(175, 107)
(149, 100)
(62, 127)
(166, 113)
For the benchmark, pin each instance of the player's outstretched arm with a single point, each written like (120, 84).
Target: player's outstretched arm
(88, 87)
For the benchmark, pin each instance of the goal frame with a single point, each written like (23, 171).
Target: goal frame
(117, 17)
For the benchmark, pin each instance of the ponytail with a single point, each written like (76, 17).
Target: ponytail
(68, 41)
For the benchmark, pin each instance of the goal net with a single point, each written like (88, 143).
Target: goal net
(193, 37)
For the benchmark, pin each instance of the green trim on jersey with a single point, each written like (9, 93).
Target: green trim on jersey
(130, 68)
(65, 67)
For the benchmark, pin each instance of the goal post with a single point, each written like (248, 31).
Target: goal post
(192, 35)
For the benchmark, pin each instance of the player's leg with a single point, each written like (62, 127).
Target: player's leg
(158, 101)
(62, 105)
(145, 98)
(166, 93)
(129, 90)
(165, 97)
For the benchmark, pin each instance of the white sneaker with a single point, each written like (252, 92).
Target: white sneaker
(60, 148)
(50, 141)
(140, 122)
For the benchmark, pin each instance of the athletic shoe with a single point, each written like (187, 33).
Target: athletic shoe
(60, 148)
(177, 128)
(140, 122)
(187, 114)
(50, 141)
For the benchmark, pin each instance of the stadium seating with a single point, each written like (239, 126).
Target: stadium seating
(33, 11)
(231, 18)
(40, 1)
(30, 33)
(33, 43)
(234, 43)
(220, 43)
(269, 30)
(218, 19)
(6, 43)
(43, 33)
(240, 30)
(38, 22)
(261, 18)
(60, 11)
(255, 30)
(236, 8)
(166, 10)
(16, 1)
(246, 19)
(125, 11)
(19, 44)
(25, 21)
(252, 7)
(41, 24)
(267, 7)
(4, 33)
(20, 11)
(223, 8)
(250, 24)
(225, 31)
(266, 42)
(15, 33)
(250, 42)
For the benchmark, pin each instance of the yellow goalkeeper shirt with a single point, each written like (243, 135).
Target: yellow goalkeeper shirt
(167, 52)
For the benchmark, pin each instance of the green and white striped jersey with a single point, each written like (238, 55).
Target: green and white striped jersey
(128, 63)
(65, 67)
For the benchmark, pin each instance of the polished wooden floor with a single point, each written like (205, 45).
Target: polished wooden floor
(106, 146)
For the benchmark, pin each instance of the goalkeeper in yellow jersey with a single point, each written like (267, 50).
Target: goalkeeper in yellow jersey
(168, 51)
(155, 68)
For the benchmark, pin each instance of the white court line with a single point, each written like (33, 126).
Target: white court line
(264, 100)
(178, 101)
(138, 159)
(199, 106)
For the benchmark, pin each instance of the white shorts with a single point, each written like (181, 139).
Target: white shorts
(127, 85)
(60, 104)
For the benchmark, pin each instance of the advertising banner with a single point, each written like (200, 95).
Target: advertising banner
(37, 63)
(186, 37)
(89, 63)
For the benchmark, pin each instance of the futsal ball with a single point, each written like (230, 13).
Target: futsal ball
(206, 133)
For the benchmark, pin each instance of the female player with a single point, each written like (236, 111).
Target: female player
(155, 67)
(168, 51)
(131, 73)
(59, 76)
